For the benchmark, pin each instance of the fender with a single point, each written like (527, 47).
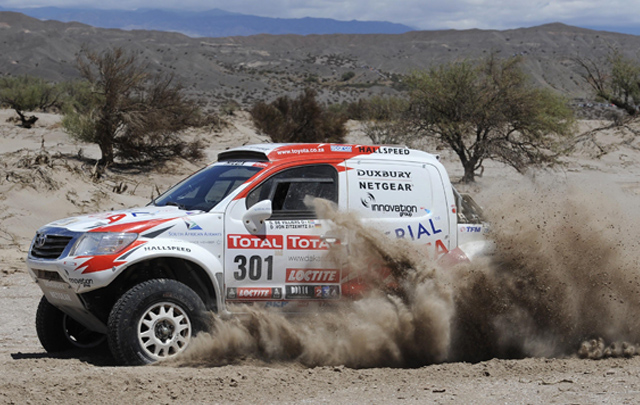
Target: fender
(160, 248)
(84, 278)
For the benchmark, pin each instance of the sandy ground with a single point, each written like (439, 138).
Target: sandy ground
(34, 191)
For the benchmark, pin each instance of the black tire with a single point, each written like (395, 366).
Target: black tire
(58, 332)
(154, 320)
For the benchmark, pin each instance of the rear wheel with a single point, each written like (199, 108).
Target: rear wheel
(59, 332)
(154, 320)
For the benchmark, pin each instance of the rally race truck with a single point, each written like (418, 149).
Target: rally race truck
(239, 231)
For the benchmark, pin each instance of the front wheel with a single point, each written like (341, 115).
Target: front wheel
(154, 320)
(59, 332)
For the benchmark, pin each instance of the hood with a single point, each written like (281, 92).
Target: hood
(131, 220)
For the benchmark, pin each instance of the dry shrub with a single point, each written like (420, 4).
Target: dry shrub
(301, 119)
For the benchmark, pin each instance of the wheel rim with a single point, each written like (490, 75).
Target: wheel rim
(79, 335)
(164, 330)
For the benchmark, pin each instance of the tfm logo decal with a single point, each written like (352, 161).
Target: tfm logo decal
(313, 276)
(255, 242)
(306, 242)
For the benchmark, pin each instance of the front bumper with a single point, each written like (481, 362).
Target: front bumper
(52, 270)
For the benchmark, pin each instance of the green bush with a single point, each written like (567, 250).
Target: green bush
(28, 93)
(348, 76)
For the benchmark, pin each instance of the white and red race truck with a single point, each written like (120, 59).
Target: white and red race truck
(237, 231)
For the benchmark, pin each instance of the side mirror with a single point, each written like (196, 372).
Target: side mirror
(255, 216)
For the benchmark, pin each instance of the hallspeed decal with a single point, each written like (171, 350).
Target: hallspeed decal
(386, 150)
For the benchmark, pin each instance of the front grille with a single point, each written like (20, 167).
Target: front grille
(49, 246)
(47, 275)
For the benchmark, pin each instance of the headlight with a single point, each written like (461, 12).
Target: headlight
(96, 243)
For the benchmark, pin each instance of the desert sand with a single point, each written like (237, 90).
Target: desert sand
(569, 252)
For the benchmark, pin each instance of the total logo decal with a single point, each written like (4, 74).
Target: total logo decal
(369, 201)
(313, 276)
(304, 242)
(297, 242)
(255, 242)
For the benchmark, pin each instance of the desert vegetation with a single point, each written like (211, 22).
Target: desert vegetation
(487, 109)
(129, 112)
(614, 79)
(28, 93)
(490, 110)
(480, 109)
(302, 119)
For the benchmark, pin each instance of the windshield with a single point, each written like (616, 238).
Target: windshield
(206, 188)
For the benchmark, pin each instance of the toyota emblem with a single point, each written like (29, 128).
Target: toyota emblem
(41, 239)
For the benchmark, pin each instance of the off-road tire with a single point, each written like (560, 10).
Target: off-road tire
(154, 320)
(58, 332)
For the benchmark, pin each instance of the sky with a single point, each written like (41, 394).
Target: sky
(613, 15)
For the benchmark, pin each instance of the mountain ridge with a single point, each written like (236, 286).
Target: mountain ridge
(210, 23)
(245, 69)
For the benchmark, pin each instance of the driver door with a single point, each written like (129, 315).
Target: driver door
(285, 262)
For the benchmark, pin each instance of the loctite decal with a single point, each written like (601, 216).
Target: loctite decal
(301, 276)
(254, 293)
(235, 241)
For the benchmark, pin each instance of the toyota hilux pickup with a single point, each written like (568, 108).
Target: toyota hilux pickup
(239, 231)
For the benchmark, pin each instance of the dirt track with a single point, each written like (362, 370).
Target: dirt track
(28, 375)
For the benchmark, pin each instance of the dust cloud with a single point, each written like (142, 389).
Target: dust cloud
(563, 281)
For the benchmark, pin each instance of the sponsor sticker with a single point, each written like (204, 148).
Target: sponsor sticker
(384, 186)
(421, 230)
(83, 282)
(295, 224)
(167, 248)
(313, 276)
(253, 293)
(191, 224)
(341, 148)
(386, 174)
(404, 210)
(300, 291)
(306, 242)
(313, 291)
(255, 242)
(386, 150)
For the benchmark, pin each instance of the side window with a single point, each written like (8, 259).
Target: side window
(288, 189)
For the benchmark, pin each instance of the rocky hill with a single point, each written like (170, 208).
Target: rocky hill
(246, 69)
